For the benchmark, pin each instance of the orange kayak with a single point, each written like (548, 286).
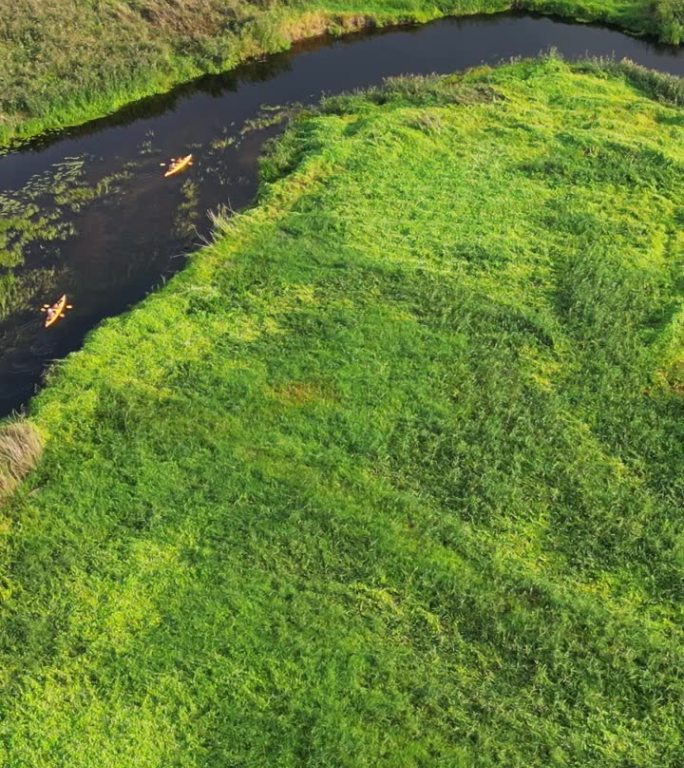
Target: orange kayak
(55, 311)
(178, 165)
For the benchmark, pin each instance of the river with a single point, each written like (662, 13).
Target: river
(94, 218)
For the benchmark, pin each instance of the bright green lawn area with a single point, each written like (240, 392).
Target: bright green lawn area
(66, 61)
(391, 474)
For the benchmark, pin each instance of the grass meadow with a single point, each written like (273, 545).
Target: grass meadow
(392, 473)
(66, 61)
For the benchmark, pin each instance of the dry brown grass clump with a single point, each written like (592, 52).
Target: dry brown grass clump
(20, 449)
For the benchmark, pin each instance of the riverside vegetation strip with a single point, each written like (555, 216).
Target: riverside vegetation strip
(66, 61)
(389, 475)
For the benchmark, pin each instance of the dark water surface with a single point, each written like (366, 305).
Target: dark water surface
(118, 228)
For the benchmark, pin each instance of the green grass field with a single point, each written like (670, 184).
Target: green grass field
(390, 474)
(67, 61)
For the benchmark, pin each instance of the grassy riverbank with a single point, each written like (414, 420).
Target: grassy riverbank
(388, 475)
(67, 61)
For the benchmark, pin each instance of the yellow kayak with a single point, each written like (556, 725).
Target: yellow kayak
(179, 165)
(55, 311)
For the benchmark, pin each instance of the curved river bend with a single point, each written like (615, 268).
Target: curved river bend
(96, 219)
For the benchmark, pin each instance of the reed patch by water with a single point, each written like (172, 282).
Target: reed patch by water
(20, 450)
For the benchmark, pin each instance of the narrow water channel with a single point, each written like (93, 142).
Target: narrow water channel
(88, 212)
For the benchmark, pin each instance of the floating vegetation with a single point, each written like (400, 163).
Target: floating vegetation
(147, 146)
(22, 291)
(225, 142)
(40, 213)
(187, 212)
(270, 115)
(21, 226)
